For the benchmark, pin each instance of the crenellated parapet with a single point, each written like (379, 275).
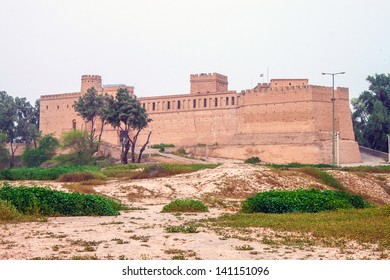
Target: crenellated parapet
(60, 96)
(208, 83)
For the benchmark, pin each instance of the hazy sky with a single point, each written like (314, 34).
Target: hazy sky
(47, 45)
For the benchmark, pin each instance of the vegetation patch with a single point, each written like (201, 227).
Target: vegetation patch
(43, 201)
(185, 205)
(9, 214)
(370, 225)
(253, 160)
(324, 177)
(82, 176)
(181, 229)
(301, 200)
(368, 169)
(165, 170)
(37, 173)
(299, 165)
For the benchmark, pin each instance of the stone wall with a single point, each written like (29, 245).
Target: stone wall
(284, 121)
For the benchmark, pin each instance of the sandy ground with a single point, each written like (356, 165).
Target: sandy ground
(140, 233)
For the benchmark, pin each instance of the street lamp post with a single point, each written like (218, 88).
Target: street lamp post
(333, 128)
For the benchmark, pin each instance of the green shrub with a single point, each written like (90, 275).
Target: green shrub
(180, 152)
(253, 160)
(81, 176)
(33, 157)
(37, 173)
(300, 200)
(36, 200)
(8, 212)
(162, 146)
(185, 205)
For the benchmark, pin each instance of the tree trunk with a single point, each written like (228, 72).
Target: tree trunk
(12, 158)
(143, 148)
(100, 135)
(133, 142)
(125, 151)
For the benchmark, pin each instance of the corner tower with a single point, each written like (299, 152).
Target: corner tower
(208, 83)
(88, 81)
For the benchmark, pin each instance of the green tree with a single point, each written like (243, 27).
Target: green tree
(46, 150)
(371, 115)
(78, 142)
(4, 153)
(89, 106)
(126, 113)
(27, 121)
(8, 120)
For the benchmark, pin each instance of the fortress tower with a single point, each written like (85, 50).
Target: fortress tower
(88, 81)
(208, 83)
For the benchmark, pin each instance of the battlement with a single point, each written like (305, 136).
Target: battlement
(88, 81)
(59, 96)
(208, 83)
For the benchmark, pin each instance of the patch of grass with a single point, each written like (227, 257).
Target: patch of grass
(37, 173)
(368, 169)
(82, 176)
(300, 165)
(324, 177)
(301, 200)
(165, 170)
(370, 225)
(43, 201)
(121, 170)
(162, 145)
(181, 229)
(185, 205)
(80, 188)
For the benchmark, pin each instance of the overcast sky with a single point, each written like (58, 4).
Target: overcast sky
(47, 45)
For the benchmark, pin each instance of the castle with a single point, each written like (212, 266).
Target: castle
(285, 120)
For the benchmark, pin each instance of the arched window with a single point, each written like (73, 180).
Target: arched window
(74, 124)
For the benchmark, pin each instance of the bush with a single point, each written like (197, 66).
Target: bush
(81, 176)
(162, 146)
(180, 152)
(8, 212)
(311, 200)
(253, 160)
(46, 149)
(33, 157)
(185, 205)
(36, 200)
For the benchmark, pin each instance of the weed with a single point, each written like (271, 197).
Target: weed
(244, 248)
(182, 229)
(141, 238)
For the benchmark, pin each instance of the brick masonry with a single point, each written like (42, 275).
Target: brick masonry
(286, 120)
